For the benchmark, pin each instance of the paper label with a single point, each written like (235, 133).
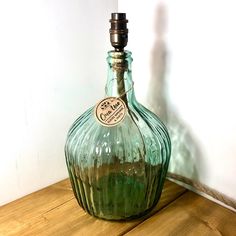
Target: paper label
(110, 111)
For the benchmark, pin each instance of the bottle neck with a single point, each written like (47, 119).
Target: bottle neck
(119, 81)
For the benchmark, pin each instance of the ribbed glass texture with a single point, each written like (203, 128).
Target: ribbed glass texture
(118, 172)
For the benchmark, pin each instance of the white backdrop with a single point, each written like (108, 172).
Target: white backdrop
(184, 70)
(52, 68)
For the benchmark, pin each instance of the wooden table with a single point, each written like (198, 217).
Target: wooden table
(54, 211)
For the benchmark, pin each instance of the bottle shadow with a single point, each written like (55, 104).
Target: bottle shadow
(186, 159)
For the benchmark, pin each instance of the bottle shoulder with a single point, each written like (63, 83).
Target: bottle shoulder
(139, 121)
(148, 118)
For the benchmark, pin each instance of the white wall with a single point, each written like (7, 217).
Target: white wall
(51, 70)
(184, 58)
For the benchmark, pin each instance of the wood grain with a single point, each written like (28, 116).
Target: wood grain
(190, 214)
(54, 211)
(22, 214)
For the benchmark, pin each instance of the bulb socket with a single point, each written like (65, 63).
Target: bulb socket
(118, 31)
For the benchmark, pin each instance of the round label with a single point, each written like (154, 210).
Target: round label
(110, 111)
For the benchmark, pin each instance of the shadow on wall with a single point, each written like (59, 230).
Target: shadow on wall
(186, 159)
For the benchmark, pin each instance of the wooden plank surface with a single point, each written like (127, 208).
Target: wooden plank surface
(54, 211)
(190, 214)
(20, 215)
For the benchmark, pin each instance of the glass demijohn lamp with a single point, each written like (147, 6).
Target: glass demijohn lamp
(117, 152)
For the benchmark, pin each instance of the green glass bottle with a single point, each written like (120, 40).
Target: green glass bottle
(117, 152)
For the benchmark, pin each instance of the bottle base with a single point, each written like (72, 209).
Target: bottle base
(128, 218)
